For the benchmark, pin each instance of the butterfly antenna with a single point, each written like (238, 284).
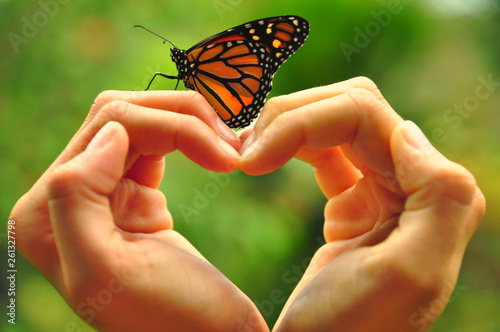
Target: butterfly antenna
(164, 40)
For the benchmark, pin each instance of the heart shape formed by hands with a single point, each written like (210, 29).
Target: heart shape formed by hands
(398, 218)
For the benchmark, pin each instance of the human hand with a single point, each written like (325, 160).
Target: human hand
(96, 225)
(398, 218)
(366, 269)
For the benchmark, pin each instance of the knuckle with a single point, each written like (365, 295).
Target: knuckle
(104, 98)
(364, 99)
(114, 110)
(65, 180)
(274, 106)
(191, 121)
(22, 205)
(364, 82)
(479, 205)
(195, 97)
(273, 102)
(179, 136)
(194, 103)
(284, 121)
(453, 181)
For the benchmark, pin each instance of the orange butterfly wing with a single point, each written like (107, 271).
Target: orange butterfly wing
(231, 77)
(234, 69)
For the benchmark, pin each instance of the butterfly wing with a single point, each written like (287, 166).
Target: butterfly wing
(234, 76)
(281, 35)
(234, 69)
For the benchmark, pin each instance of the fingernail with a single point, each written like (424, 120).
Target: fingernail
(248, 142)
(414, 135)
(103, 137)
(225, 131)
(228, 148)
(250, 149)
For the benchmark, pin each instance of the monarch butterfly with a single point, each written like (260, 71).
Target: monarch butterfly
(233, 70)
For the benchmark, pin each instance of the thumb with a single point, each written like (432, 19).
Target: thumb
(443, 201)
(79, 208)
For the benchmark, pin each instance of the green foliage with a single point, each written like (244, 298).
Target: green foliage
(255, 229)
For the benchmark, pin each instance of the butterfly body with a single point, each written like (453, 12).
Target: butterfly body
(184, 69)
(233, 70)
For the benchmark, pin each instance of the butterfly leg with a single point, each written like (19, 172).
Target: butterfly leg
(164, 75)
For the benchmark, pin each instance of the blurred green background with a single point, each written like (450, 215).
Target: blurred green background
(427, 57)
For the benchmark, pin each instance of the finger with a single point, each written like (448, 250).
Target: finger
(334, 172)
(365, 207)
(354, 159)
(356, 117)
(78, 203)
(156, 132)
(181, 102)
(147, 170)
(443, 201)
(246, 132)
(279, 105)
(139, 209)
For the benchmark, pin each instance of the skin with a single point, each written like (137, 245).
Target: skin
(397, 222)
